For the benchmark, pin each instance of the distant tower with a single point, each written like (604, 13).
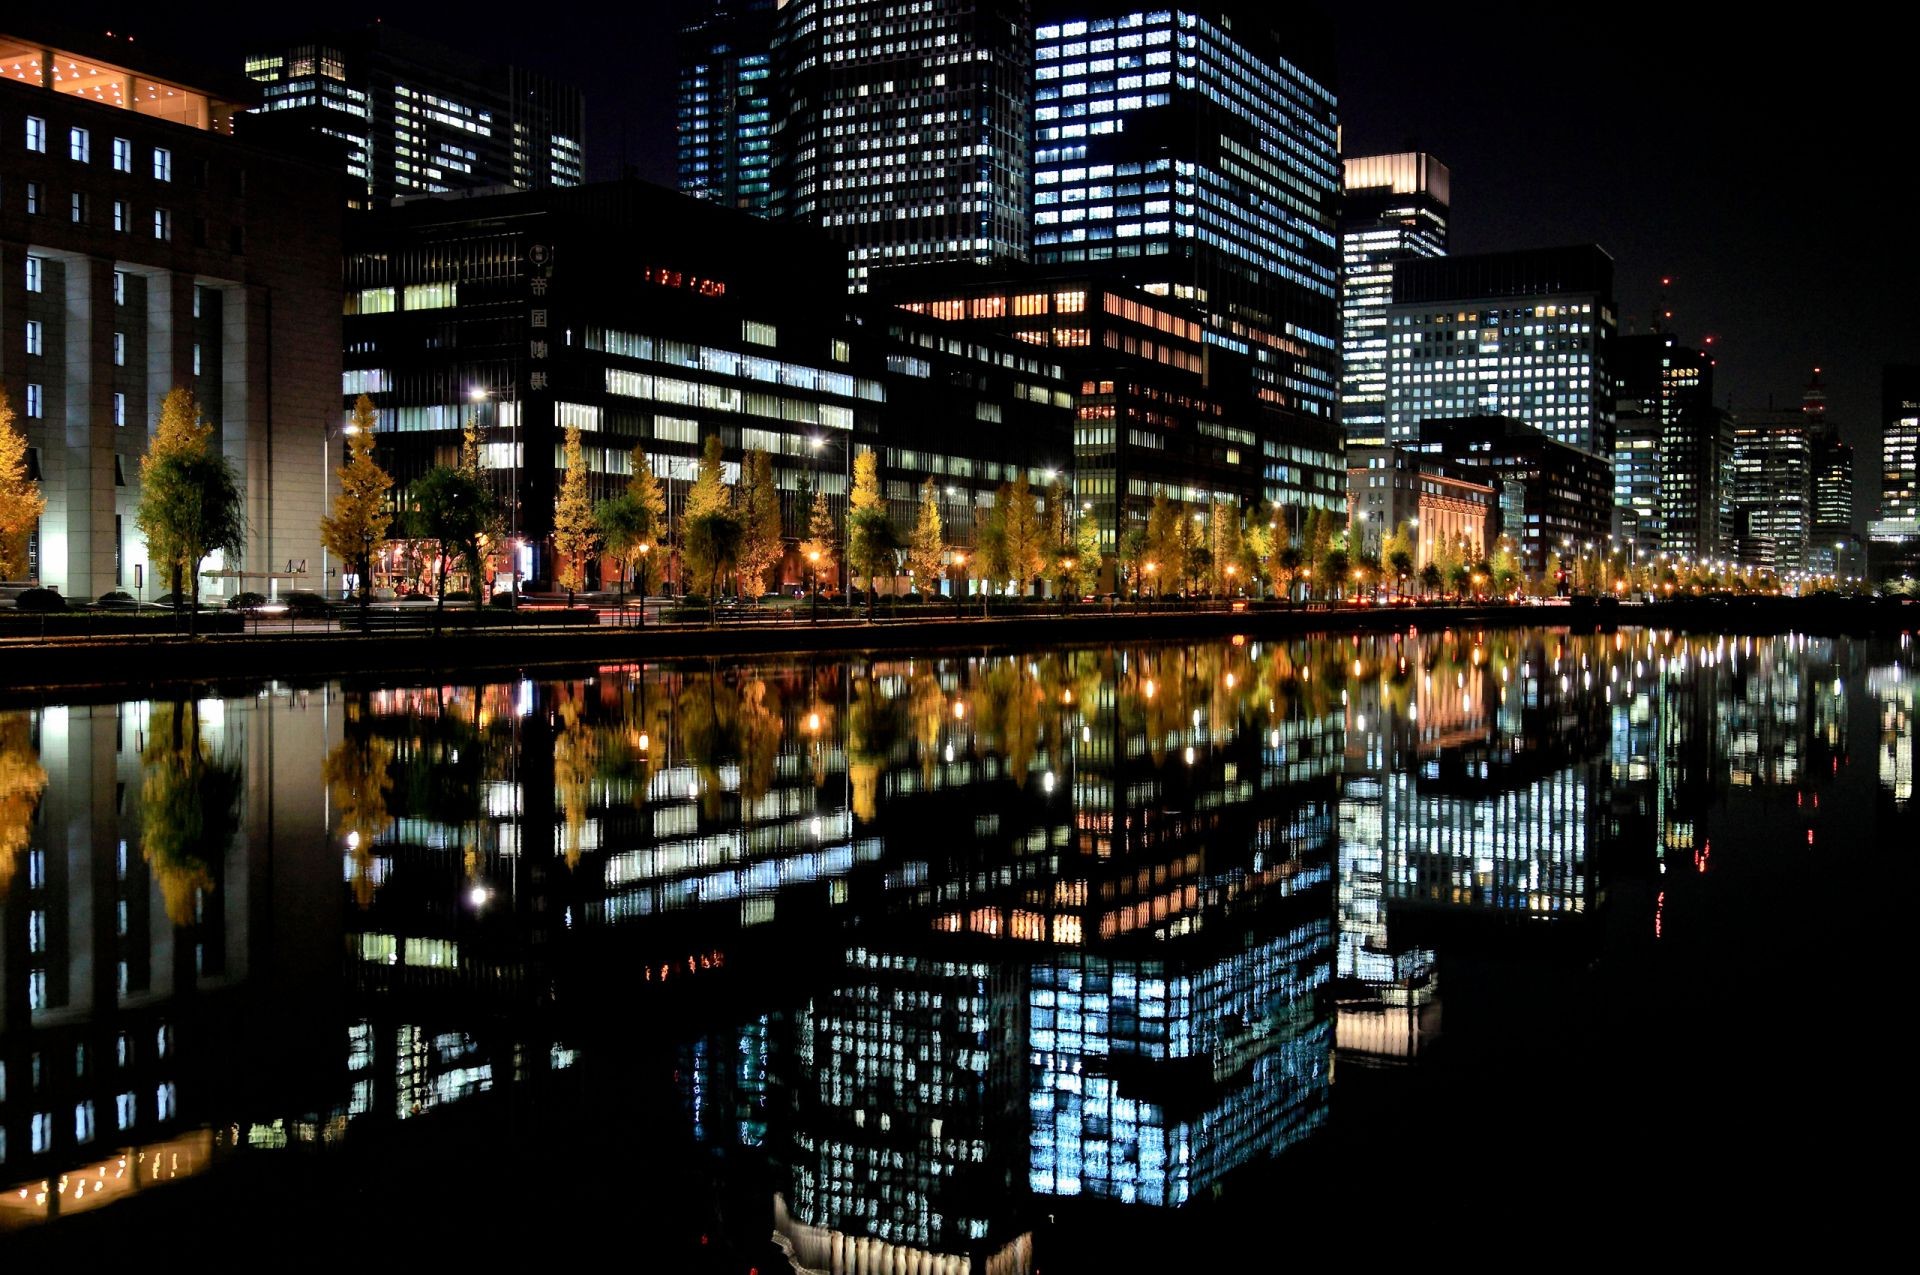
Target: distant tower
(724, 113)
(1396, 209)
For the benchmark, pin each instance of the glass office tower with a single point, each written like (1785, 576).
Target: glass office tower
(724, 113)
(1195, 152)
(419, 118)
(1396, 208)
(901, 130)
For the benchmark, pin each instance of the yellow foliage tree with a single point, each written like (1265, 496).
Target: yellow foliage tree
(21, 503)
(576, 534)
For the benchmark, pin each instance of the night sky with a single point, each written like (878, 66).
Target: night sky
(1764, 166)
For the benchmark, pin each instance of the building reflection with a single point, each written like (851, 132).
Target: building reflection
(927, 950)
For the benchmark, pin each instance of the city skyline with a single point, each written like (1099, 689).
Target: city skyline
(1524, 177)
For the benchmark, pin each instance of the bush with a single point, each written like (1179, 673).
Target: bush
(40, 600)
(459, 595)
(502, 600)
(694, 600)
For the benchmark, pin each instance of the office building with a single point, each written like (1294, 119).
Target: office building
(1150, 418)
(1439, 503)
(1396, 208)
(1773, 487)
(1553, 496)
(1193, 151)
(144, 245)
(1526, 335)
(418, 118)
(1900, 444)
(724, 111)
(1673, 451)
(645, 317)
(902, 130)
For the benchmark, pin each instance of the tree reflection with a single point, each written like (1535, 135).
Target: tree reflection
(22, 780)
(190, 806)
(360, 785)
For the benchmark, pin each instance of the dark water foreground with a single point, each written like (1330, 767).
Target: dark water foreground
(1511, 943)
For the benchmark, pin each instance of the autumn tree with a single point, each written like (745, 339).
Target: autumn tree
(189, 497)
(1166, 544)
(713, 541)
(576, 534)
(708, 495)
(989, 561)
(1085, 573)
(1025, 534)
(632, 524)
(870, 536)
(821, 548)
(21, 503)
(926, 556)
(762, 543)
(1133, 557)
(1224, 546)
(356, 530)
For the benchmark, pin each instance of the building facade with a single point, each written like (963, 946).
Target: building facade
(1773, 457)
(1396, 208)
(902, 131)
(1900, 444)
(1664, 391)
(1440, 503)
(1553, 496)
(650, 319)
(1150, 419)
(144, 246)
(724, 107)
(418, 118)
(1194, 152)
(1526, 335)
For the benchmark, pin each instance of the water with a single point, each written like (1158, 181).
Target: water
(1025, 961)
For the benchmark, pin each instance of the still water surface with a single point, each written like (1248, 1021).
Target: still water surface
(1001, 962)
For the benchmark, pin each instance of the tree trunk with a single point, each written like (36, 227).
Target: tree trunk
(193, 612)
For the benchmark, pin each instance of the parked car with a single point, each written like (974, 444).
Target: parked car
(246, 601)
(308, 606)
(178, 602)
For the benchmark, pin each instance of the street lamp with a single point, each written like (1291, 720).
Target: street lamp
(326, 499)
(481, 394)
(813, 557)
(959, 579)
(815, 443)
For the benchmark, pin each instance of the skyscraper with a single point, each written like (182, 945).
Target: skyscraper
(1900, 443)
(1773, 486)
(419, 118)
(1396, 208)
(904, 133)
(1526, 335)
(724, 125)
(1665, 392)
(1194, 151)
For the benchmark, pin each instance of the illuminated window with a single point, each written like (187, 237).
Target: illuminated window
(36, 274)
(35, 401)
(120, 215)
(122, 155)
(1069, 302)
(119, 409)
(162, 224)
(34, 337)
(80, 145)
(758, 333)
(36, 134)
(371, 301)
(431, 296)
(162, 164)
(79, 207)
(119, 349)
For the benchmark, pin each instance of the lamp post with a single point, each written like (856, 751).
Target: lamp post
(959, 579)
(815, 443)
(481, 394)
(326, 496)
(813, 569)
(645, 549)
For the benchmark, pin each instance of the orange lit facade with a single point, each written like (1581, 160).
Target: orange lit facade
(1390, 486)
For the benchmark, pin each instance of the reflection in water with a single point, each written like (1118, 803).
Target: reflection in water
(930, 952)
